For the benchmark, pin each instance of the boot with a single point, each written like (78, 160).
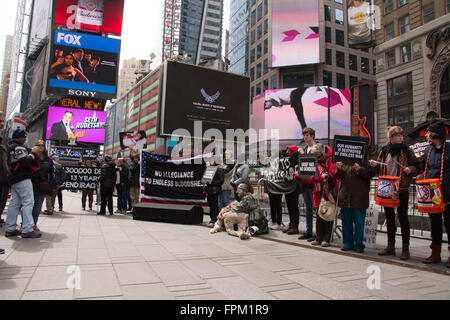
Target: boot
(405, 252)
(389, 250)
(435, 254)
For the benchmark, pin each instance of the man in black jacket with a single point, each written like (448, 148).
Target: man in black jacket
(135, 180)
(107, 184)
(212, 191)
(21, 187)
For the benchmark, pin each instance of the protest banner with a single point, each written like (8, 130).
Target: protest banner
(279, 175)
(350, 150)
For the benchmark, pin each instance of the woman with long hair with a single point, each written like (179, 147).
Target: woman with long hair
(63, 69)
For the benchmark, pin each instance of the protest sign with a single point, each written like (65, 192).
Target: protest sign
(307, 166)
(82, 178)
(350, 150)
(419, 148)
(279, 175)
(370, 228)
(209, 174)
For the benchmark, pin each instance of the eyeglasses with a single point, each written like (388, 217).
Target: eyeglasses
(40, 145)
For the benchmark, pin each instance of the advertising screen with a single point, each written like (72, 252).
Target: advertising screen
(98, 16)
(292, 110)
(295, 32)
(361, 23)
(136, 140)
(83, 65)
(221, 100)
(83, 125)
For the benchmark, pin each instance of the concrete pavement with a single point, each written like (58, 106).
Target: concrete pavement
(103, 257)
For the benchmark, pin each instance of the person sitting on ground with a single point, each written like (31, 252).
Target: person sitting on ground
(237, 214)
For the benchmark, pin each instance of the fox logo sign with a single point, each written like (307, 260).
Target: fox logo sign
(71, 39)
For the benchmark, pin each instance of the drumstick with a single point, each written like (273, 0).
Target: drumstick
(403, 167)
(380, 163)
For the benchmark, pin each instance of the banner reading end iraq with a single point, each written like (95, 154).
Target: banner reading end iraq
(166, 182)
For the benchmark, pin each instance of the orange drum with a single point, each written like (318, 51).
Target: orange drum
(387, 191)
(429, 196)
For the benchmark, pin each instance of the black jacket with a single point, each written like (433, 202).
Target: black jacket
(135, 174)
(108, 178)
(44, 178)
(434, 167)
(4, 165)
(125, 177)
(21, 162)
(216, 185)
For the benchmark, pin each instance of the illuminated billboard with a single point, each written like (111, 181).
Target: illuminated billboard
(295, 32)
(292, 110)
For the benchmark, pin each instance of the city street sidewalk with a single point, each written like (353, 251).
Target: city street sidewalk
(85, 256)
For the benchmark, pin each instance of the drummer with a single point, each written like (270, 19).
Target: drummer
(436, 162)
(398, 160)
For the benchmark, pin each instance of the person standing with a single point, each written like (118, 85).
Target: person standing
(436, 164)
(4, 168)
(353, 199)
(400, 161)
(60, 178)
(240, 175)
(123, 185)
(225, 193)
(311, 148)
(212, 191)
(107, 184)
(21, 187)
(292, 197)
(87, 193)
(135, 183)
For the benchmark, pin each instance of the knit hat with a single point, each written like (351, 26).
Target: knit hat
(19, 133)
(438, 128)
(243, 186)
(292, 149)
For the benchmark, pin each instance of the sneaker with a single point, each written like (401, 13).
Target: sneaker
(83, 209)
(315, 243)
(2, 251)
(117, 211)
(32, 235)
(274, 226)
(292, 231)
(304, 236)
(36, 228)
(13, 233)
(48, 213)
(325, 244)
(210, 225)
(90, 209)
(311, 239)
(285, 229)
(60, 209)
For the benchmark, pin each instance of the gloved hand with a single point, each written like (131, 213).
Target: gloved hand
(318, 179)
(297, 178)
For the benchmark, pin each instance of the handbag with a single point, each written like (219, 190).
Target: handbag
(327, 210)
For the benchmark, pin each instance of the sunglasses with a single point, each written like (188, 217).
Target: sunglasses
(40, 145)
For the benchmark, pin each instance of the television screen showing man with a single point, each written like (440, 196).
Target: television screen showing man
(133, 140)
(62, 130)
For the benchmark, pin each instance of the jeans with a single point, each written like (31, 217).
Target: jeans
(107, 200)
(50, 200)
(224, 198)
(436, 226)
(276, 209)
(122, 197)
(353, 237)
(402, 217)
(39, 198)
(213, 203)
(292, 205)
(309, 204)
(21, 196)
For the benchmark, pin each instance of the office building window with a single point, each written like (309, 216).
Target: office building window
(406, 52)
(327, 78)
(340, 59)
(365, 67)
(273, 82)
(339, 1)
(327, 13)
(353, 62)
(390, 58)
(260, 11)
(253, 37)
(253, 18)
(401, 115)
(266, 66)
(259, 32)
(265, 85)
(328, 56)
(328, 34)
(258, 51)
(258, 89)
(252, 74)
(340, 37)
(266, 46)
(258, 71)
(340, 81)
(404, 24)
(266, 7)
(448, 6)
(388, 6)
(339, 16)
(252, 55)
(353, 81)
(252, 93)
(401, 85)
(374, 67)
(389, 31)
(266, 26)
(403, 2)
(428, 13)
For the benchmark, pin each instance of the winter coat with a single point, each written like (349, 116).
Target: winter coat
(60, 175)
(247, 204)
(240, 174)
(434, 167)
(21, 163)
(108, 177)
(228, 173)
(354, 186)
(125, 176)
(216, 184)
(406, 158)
(44, 178)
(4, 166)
(135, 175)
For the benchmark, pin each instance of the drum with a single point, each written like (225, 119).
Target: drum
(387, 191)
(429, 196)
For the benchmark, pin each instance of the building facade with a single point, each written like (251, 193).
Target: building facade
(6, 70)
(238, 50)
(131, 72)
(413, 61)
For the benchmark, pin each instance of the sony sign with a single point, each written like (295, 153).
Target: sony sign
(82, 93)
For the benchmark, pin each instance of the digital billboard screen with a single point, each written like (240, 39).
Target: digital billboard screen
(292, 110)
(82, 125)
(361, 23)
(83, 65)
(295, 32)
(98, 16)
(221, 100)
